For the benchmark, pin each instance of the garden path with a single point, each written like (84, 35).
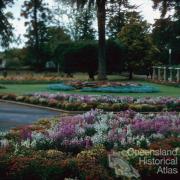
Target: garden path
(12, 115)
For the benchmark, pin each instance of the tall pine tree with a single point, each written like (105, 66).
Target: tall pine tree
(5, 27)
(101, 18)
(117, 16)
(166, 29)
(81, 25)
(37, 17)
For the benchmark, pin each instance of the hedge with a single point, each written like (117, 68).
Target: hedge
(83, 56)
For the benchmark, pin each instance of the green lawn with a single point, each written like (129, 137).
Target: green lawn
(27, 88)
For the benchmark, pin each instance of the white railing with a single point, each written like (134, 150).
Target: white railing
(170, 74)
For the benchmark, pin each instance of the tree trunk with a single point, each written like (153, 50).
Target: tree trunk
(130, 73)
(101, 32)
(36, 47)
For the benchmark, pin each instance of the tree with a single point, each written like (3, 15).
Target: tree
(140, 48)
(166, 29)
(14, 58)
(58, 11)
(5, 27)
(81, 25)
(161, 34)
(117, 16)
(37, 17)
(56, 35)
(101, 17)
(166, 5)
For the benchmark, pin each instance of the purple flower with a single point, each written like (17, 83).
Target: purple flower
(26, 133)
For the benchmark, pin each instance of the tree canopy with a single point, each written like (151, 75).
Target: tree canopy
(6, 28)
(37, 16)
(136, 37)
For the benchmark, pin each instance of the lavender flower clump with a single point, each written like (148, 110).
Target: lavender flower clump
(124, 128)
(108, 98)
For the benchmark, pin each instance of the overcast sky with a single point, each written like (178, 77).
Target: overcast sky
(145, 7)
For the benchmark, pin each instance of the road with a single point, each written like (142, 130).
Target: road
(12, 115)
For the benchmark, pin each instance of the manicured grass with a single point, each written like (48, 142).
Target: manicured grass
(29, 88)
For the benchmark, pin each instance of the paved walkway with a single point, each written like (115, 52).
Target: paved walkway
(12, 115)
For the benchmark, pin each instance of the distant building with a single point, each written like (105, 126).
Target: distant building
(50, 65)
(2, 63)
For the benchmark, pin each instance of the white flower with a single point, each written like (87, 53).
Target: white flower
(147, 141)
(157, 136)
(33, 143)
(79, 130)
(4, 143)
(119, 130)
(37, 136)
(99, 138)
(129, 131)
(26, 143)
(129, 140)
(138, 143)
(123, 141)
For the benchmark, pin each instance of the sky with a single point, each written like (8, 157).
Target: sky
(145, 7)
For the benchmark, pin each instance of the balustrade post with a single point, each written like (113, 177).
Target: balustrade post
(178, 74)
(164, 73)
(171, 75)
(154, 73)
(159, 73)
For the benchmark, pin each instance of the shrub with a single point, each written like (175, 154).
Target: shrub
(119, 107)
(20, 98)
(43, 101)
(33, 100)
(9, 97)
(83, 57)
(53, 103)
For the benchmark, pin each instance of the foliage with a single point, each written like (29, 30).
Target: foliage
(101, 18)
(81, 24)
(140, 48)
(5, 27)
(74, 57)
(15, 57)
(124, 130)
(118, 14)
(166, 31)
(78, 146)
(82, 57)
(106, 102)
(56, 35)
(37, 17)
(166, 5)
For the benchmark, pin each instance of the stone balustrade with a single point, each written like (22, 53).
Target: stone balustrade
(170, 74)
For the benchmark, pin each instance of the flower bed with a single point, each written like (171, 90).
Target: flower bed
(95, 84)
(30, 77)
(79, 146)
(122, 89)
(62, 87)
(107, 102)
(108, 87)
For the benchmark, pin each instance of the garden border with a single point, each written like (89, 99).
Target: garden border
(63, 111)
(42, 107)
